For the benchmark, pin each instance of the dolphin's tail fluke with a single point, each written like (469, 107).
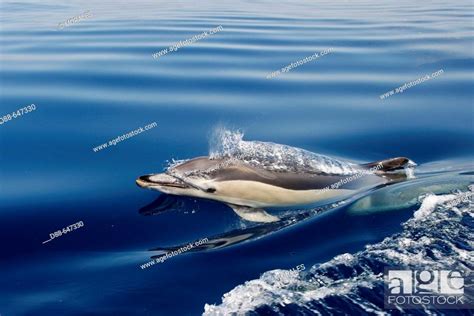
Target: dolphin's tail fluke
(391, 164)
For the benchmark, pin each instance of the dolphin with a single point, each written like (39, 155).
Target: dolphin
(249, 187)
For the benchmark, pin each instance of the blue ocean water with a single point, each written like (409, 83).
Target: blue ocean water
(96, 79)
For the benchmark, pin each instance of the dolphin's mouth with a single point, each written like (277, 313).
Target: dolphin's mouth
(160, 180)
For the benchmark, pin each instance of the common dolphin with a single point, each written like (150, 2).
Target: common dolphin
(248, 187)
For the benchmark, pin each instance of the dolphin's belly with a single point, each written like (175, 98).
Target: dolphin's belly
(258, 194)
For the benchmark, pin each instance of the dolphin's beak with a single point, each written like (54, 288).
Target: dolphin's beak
(160, 180)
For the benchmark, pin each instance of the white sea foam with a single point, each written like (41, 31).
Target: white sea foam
(347, 277)
(429, 204)
(275, 157)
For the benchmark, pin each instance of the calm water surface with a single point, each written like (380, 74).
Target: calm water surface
(96, 80)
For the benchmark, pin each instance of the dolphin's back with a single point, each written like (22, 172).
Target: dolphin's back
(222, 169)
(287, 180)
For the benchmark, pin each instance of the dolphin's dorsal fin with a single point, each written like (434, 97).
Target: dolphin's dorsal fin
(390, 164)
(253, 214)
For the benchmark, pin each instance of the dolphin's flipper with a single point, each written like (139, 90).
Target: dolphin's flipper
(253, 214)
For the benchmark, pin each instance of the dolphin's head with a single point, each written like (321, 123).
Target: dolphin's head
(191, 178)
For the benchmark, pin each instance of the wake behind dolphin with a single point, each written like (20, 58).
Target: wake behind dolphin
(249, 176)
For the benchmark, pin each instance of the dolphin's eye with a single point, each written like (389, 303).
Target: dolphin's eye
(211, 190)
